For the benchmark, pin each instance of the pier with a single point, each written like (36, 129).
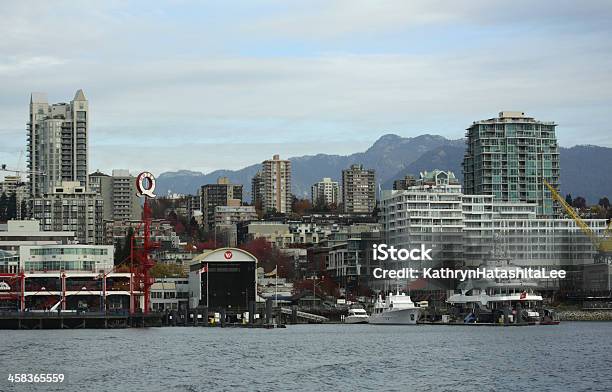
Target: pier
(97, 320)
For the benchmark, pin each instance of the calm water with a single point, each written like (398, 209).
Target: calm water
(571, 356)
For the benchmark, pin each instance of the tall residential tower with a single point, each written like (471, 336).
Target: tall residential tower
(57, 142)
(509, 157)
(276, 178)
(358, 190)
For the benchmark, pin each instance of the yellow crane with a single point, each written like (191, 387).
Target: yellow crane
(604, 242)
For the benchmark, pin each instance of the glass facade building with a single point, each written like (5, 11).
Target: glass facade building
(509, 157)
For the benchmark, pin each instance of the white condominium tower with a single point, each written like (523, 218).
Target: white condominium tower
(324, 192)
(57, 142)
(276, 177)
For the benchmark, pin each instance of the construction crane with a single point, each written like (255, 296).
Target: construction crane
(4, 168)
(603, 242)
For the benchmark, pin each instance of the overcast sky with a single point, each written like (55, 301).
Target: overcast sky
(224, 84)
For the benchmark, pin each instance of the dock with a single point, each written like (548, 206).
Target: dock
(58, 320)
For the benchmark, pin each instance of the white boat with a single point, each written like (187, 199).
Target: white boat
(484, 300)
(356, 316)
(395, 309)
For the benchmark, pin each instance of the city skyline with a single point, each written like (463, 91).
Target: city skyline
(368, 69)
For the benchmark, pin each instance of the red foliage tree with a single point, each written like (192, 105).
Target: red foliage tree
(270, 257)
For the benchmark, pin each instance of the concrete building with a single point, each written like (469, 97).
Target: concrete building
(324, 192)
(257, 189)
(162, 232)
(358, 190)
(509, 157)
(223, 193)
(88, 258)
(13, 185)
(71, 207)
(276, 178)
(118, 191)
(226, 220)
(404, 183)
(57, 143)
(170, 294)
(429, 213)
(276, 233)
(194, 206)
(349, 256)
(464, 229)
(27, 232)
(225, 215)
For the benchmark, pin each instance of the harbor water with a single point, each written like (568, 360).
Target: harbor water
(572, 356)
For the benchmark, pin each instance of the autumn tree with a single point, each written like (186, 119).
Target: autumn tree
(300, 206)
(162, 270)
(270, 257)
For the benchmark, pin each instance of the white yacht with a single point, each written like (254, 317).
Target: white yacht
(356, 316)
(395, 309)
(483, 300)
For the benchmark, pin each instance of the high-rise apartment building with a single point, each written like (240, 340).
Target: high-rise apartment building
(509, 157)
(57, 142)
(358, 189)
(223, 193)
(276, 177)
(71, 207)
(119, 194)
(257, 189)
(324, 192)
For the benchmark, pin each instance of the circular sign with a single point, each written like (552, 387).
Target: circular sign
(145, 184)
(228, 254)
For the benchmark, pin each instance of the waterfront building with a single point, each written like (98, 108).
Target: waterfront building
(465, 229)
(57, 143)
(224, 278)
(16, 233)
(509, 156)
(118, 192)
(324, 192)
(71, 207)
(349, 256)
(71, 257)
(358, 190)
(223, 193)
(276, 178)
(66, 277)
(170, 294)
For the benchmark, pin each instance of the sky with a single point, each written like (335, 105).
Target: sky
(224, 84)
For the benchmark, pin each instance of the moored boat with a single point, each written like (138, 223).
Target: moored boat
(395, 309)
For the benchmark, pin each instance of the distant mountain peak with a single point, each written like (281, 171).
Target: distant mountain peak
(393, 156)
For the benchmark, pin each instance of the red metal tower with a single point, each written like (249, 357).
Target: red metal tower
(141, 261)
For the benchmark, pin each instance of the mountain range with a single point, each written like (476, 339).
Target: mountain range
(585, 170)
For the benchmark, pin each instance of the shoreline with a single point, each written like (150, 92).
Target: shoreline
(585, 315)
